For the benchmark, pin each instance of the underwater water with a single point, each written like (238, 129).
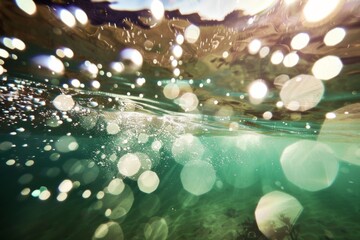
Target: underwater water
(180, 119)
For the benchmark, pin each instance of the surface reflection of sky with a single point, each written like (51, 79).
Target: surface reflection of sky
(207, 9)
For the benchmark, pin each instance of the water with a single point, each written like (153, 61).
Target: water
(191, 120)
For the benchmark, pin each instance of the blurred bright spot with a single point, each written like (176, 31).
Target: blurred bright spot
(177, 51)
(86, 194)
(198, 177)
(277, 57)
(65, 186)
(67, 18)
(64, 52)
(60, 53)
(68, 52)
(188, 102)
(75, 83)
(192, 33)
(291, 59)
(35, 193)
(122, 204)
(61, 196)
(28, 6)
(54, 121)
(334, 36)
(327, 67)
(341, 132)
(4, 53)
(330, 115)
(47, 148)
(108, 212)
(279, 104)
(145, 162)
(254, 46)
(157, 9)
(140, 81)
(18, 44)
(66, 144)
(267, 115)
(6, 145)
(156, 229)
(176, 72)
(171, 91)
(64, 102)
(129, 165)
(112, 128)
(109, 231)
(101, 231)
(29, 163)
(174, 63)
(276, 211)
(25, 191)
(8, 42)
(313, 171)
(180, 39)
(54, 156)
(148, 182)
(81, 16)
(95, 84)
(116, 186)
(187, 148)
(1, 70)
(258, 89)
(264, 51)
(90, 68)
(156, 145)
(44, 195)
(100, 195)
(50, 62)
(225, 54)
(131, 59)
(300, 41)
(280, 80)
(302, 93)
(317, 10)
(10, 162)
(118, 66)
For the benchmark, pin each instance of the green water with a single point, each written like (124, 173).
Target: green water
(123, 123)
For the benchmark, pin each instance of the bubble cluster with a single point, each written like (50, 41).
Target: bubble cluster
(187, 148)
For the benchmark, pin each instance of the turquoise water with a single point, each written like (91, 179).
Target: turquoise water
(179, 120)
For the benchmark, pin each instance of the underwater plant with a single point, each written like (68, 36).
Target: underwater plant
(287, 231)
(250, 230)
